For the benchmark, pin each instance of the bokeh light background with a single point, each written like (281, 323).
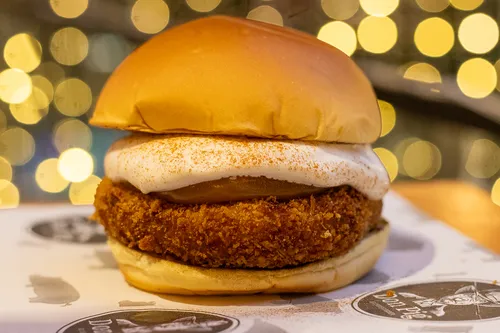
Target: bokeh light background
(435, 65)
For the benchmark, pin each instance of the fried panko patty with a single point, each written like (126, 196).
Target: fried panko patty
(259, 233)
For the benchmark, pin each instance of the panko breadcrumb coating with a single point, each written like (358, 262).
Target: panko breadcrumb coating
(259, 233)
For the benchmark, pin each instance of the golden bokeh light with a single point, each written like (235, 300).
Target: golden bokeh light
(69, 46)
(28, 112)
(9, 195)
(69, 8)
(483, 160)
(266, 14)
(495, 192)
(23, 51)
(389, 160)
(400, 149)
(478, 33)
(17, 146)
(72, 133)
(497, 69)
(73, 97)
(83, 193)
(388, 115)
(477, 78)
(75, 165)
(3, 121)
(433, 6)
(35, 107)
(422, 72)
(5, 169)
(51, 71)
(379, 7)
(150, 16)
(422, 160)
(466, 4)
(340, 9)
(434, 37)
(15, 86)
(43, 91)
(339, 34)
(377, 34)
(48, 178)
(203, 6)
(106, 52)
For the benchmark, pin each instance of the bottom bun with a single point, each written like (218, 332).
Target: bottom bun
(163, 276)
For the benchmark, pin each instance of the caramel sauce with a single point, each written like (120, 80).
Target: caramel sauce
(238, 189)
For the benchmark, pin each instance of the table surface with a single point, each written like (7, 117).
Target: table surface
(463, 206)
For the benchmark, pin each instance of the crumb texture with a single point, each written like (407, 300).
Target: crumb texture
(260, 233)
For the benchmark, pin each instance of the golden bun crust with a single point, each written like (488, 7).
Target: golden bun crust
(162, 276)
(230, 76)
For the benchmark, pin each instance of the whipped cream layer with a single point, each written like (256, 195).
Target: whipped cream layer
(158, 163)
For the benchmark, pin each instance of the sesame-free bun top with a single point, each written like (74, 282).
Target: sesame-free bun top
(230, 76)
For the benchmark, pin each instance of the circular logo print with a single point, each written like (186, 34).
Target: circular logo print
(151, 321)
(433, 301)
(70, 229)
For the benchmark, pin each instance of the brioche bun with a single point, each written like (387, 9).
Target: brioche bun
(163, 276)
(230, 76)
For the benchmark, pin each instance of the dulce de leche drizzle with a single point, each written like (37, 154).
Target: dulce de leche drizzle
(238, 189)
(172, 166)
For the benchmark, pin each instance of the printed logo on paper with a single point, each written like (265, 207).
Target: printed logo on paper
(434, 301)
(70, 229)
(152, 321)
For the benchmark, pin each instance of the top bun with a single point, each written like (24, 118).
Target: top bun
(230, 76)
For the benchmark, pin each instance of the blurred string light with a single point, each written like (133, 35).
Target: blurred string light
(48, 177)
(497, 69)
(69, 46)
(433, 6)
(43, 91)
(483, 160)
(28, 112)
(477, 78)
(75, 165)
(478, 33)
(71, 133)
(340, 9)
(3, 122)
(9, 194)
(5, 169)
(106, 52)
(23, 51)
(17, 146)
(150, 16)
(83, 193)
(73, 97)
(400, 149)
(422, 72)
(377, 34)
(379, 8)
(266, 14)
(339, 34)
(15, 86)
(466, 4)
(51, 71)
(434, 37)
(69, 8)
(422, 160)
(389, 160)
(35, 107)
(388, 115)
(495, 192)
(203, 6)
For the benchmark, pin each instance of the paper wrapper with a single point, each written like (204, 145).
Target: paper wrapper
(59, 276)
